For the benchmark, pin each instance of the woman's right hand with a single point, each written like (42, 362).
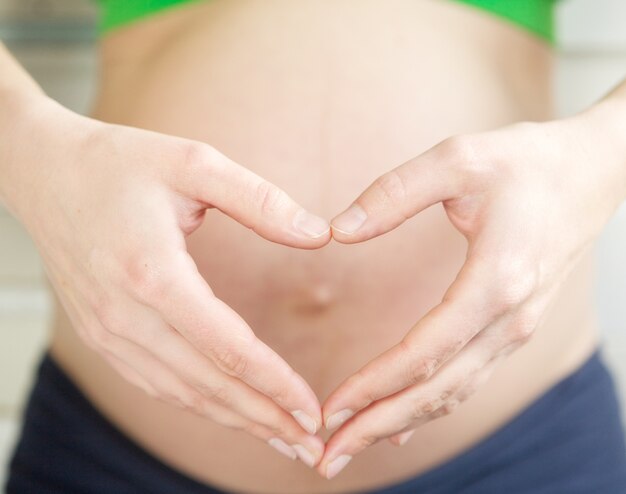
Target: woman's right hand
(109, 208)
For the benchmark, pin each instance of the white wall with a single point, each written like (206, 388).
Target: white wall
(592, 46)
(592, 42)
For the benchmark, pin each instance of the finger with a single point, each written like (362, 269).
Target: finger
(196, 370)
(436, 175)
(177, 354)
(128, 373)
(182, 297)
(212, 178)
(474, 384)
(477, 297)
(168, 387)
(276, 429)
(174, 393)
(211, 400)
(409, 408)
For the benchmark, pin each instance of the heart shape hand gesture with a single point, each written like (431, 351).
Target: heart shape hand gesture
(529, 198)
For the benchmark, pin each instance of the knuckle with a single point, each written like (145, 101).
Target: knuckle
(172, 398)
(216, 394)
(194, 402)
(522, 328)
(147, 278)
(421, 407)
(421, 369)
(276, 394)
(418, 367)
(369, 396)
(461, 149)
(269, 199)
(466, 153)
(449, 407)
(195, 162)
(391, 188)
(454, 345)
(365, 441)
(233, 361)
(467, 391)
(276, 428)
(516, 282)
(449, 391)
(197, 157)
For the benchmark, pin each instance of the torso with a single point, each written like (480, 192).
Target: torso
(321, 98)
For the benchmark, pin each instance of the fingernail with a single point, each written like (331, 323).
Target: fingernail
(337, 465)
(305, 420)
(336, 419)
(404, 437)
(350, 220)
(282, 447)
(311, 225)
(304, 455)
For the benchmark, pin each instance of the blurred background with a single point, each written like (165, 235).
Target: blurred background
(55, 41)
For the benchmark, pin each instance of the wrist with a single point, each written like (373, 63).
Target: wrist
(607, 121)
(24, 118)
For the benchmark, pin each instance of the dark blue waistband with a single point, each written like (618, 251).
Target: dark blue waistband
(569, 440)
(566, 439)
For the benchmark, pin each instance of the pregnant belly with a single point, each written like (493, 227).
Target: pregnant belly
(320, 99)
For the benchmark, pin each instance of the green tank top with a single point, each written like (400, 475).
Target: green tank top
(535, 16)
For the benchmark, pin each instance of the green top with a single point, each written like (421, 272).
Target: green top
(535, 16)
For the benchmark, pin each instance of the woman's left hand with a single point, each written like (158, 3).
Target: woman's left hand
(530, 199)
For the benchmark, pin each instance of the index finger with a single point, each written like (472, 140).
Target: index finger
(184, 300)
(476, 299)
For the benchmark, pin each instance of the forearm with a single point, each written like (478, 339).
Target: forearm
(15, 81)
(21, 100)
(607, 119)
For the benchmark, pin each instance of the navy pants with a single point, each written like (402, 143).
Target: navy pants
(569, 441)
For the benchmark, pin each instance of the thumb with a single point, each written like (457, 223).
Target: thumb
(401, 193)
(212, 178)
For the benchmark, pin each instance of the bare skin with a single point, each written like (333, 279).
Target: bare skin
(321, 110)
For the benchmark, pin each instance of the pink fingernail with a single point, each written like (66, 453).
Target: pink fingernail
(304, 454)
(305, 420)
(309, 224)
(336, 419)
(350, 220)
(337, 465)
(282, 447)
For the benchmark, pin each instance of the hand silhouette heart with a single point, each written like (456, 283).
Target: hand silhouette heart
(132, 289)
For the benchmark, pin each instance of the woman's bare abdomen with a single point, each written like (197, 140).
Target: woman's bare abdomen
(321, 98)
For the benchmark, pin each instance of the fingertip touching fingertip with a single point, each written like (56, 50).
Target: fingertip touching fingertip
(351, 220)
(310, 225)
